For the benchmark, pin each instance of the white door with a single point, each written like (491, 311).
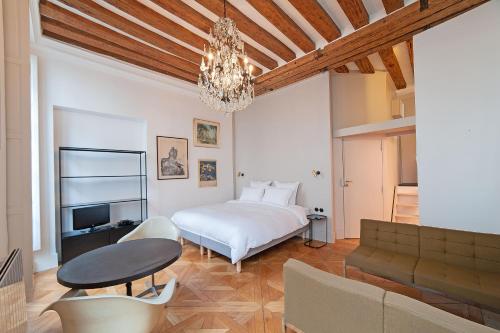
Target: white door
(363, 183)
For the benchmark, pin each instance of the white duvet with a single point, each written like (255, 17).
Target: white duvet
(241, 225)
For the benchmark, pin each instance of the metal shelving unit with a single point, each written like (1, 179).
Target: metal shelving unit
(142, 181)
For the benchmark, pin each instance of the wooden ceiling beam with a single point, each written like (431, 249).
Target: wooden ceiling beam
(395, 28)
(317, 16)
(61, 15)
(392, 5)
(356, 12)
(250, 28)
(392, 65)
(365, 66)
(198, 20)
(409, 46)
(81, 39)
(274, 14)
(358, 16)
(342, 69)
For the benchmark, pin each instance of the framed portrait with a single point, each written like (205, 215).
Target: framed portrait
(207, 170)
(172, 158)
(206, 133)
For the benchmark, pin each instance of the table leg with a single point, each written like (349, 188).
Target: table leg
(129, 288)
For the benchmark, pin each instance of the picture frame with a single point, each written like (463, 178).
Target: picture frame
(207, 173)
(172, 160)
(206, 133)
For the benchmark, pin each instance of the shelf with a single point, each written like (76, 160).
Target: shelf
(109, 226)
(408, 205)
(99, 150)
(102, 202)
(118, 176)
(387, 128)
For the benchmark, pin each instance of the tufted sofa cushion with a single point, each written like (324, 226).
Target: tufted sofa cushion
(461, 264)
(387, 249)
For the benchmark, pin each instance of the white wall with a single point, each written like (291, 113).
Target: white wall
(359, 99)
(66, 81)
(458, 103)
(284, 136)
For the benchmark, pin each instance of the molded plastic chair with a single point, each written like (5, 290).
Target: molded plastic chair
(111, 313)
(154, 227)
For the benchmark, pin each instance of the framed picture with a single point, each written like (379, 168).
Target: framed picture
(172, 158)
(207, 170)
(206, 133)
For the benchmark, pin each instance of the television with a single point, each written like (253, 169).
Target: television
(90, 217)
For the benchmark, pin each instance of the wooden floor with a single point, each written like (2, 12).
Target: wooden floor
(213, 298)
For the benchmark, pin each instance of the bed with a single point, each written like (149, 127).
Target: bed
(240, 229)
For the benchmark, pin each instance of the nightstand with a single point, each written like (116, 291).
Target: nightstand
(312, 219)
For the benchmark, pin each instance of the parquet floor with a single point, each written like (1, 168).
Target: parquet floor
(213, 298)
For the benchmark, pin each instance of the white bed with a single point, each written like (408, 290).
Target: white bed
(238, 229)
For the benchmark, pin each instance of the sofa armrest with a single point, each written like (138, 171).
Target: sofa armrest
(317, 301)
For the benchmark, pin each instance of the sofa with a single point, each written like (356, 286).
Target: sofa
(320, 302)
(460, 264)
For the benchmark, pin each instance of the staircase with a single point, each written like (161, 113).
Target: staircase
(405, 205)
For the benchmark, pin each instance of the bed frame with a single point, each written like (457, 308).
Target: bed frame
(225, 250)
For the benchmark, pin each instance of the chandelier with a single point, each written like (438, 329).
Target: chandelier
(225, 82)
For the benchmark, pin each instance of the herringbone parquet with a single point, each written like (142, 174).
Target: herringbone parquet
(213, 298)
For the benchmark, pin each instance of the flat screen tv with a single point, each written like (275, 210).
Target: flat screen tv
(90, 217)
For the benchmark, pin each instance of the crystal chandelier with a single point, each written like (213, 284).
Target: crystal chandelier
(225, 82)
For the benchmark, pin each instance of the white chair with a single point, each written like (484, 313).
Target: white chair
(111, 313)
(154, 227)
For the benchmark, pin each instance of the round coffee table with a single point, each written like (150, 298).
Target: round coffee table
(119, 263)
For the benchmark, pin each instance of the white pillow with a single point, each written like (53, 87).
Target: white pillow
(277, 196)
(260, 183)
(294, 186)
(252, 194)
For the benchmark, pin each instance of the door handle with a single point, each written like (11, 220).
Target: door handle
(347, 183)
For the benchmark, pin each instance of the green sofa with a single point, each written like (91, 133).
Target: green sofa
(461, 264)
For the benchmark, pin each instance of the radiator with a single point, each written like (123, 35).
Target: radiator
(13, 315)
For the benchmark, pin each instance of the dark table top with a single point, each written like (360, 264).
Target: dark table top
(119, 263)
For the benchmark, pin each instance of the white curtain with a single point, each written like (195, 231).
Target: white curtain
(4, 246)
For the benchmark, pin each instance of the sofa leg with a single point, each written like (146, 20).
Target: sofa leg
(238, 267)
(202, 250)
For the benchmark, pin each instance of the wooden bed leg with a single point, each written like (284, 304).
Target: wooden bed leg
(304, 235)
(202, 250)
(209, 253)
(181, 241)
(238, 267)
(344, 271)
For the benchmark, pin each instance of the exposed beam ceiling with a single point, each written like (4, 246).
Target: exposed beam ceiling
(395, 28)
(317, 16)
(284, 23)
(168, 36)
(198, 20)
(358, 16)
(82, 39)
(250, 28)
